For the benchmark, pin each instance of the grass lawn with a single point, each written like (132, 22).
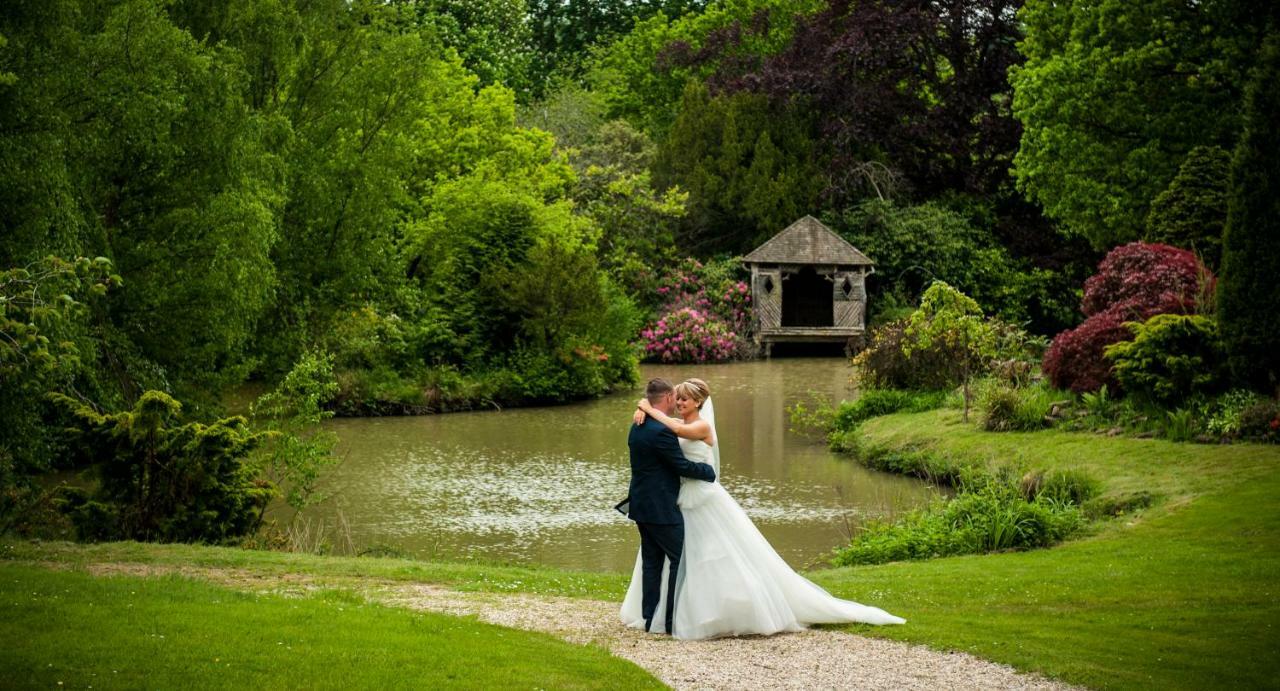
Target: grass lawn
(1185, 594)
(471, 576)
(72, 629)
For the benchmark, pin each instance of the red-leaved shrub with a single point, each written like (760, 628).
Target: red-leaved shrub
(1134, 283)
(1146, 276)
(1074, 360)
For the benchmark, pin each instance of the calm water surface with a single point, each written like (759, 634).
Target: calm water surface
(538, 485)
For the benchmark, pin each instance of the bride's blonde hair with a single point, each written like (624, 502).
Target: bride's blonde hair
(695, 390)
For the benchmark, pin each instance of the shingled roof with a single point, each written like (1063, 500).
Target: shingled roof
(807, 241)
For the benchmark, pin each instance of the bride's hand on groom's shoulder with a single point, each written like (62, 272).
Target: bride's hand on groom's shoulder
(638, 416)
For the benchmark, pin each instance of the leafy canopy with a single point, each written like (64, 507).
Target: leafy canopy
(1114, 94)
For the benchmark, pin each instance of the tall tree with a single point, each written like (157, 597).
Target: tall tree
(1192, 211)
(917, 87)
(750, 170)
(563, 31)
(128, 139)
(1249, 293)
(491, 36)
(1114, 94)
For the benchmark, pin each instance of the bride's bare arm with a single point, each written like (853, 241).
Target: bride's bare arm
(698, 429)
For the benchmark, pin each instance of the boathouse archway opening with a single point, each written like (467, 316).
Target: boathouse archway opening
(807, 299)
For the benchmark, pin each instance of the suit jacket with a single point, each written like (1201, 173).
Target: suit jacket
(656, 466)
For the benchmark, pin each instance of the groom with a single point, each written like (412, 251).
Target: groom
(656, 466)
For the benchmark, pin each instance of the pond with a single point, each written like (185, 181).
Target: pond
(538, 485)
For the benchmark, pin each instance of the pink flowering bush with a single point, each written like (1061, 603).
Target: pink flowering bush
(687, 335)
(705, 315)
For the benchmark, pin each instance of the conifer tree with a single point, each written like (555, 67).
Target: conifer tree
(1249, 293)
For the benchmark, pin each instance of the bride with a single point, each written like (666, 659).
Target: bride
(730, 581)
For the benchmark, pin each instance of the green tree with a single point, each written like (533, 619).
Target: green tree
(44, 308)
(915, 244)
(570, 112)
(296, 451)
(637, 223)
(1191, 212)
(950, 319)
(640, 81)
(1248, 291)
(564, 31)
(491, 36)
(361, 96)
(1112, 97)
(749, 169)
(126, 138)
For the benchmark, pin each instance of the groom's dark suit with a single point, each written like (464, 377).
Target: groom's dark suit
(656, 466)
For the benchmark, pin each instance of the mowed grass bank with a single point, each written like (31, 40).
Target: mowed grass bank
(75, 630)
(329, 571)
(1185, 594)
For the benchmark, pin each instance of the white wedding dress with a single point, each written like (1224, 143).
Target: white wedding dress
(731, 581)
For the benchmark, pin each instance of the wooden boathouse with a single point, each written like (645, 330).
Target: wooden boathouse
(808, 285)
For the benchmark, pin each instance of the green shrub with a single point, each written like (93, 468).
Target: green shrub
(1069, 486)
(378, 391)
(944, 344)
(884, 365)
(1099, 403)
(928, 466)
(1100, 507)
(1007, 408)
(992, 518)
(876, 402)
(297, 451)
(540, 377)
(1261, 421)
(1179, 425)
(164, 481)
(46, 310)
(1000, 406)
(1225, 410)
(1172, 357)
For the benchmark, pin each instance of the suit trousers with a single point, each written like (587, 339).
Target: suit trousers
(656, 542)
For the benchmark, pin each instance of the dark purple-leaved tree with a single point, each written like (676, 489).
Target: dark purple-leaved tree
(910, 91)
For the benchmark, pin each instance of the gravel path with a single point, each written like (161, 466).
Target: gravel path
(814, 659)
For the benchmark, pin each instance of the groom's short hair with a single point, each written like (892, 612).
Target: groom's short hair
(657, 390)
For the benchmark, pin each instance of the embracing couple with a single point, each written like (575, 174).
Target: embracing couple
(698, 548)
